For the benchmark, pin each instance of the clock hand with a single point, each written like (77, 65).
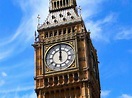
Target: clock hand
(60, 53)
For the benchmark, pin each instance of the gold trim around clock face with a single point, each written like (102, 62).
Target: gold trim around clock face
(59, 56)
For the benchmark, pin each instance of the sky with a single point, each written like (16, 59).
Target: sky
(110, 23)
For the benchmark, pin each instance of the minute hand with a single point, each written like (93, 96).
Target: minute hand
(60, 53)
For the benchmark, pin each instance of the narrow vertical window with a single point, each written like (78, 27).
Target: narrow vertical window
(73, 30)
(55, 80)
(65, 78)
(67, 2)
(55, 4)
(64, 2)
(76, 76)
(51, 81)
(58, 4)
(61, 3)
(69, 30)
(46, 34)
(64, 31)
(51, 34)
(46, 82)
(60, 32)
(55, 33)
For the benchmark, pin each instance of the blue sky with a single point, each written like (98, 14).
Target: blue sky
(110, 23)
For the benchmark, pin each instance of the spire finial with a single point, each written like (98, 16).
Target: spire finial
(79, 10)
(38, 19)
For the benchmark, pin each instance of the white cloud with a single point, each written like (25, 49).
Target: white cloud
(2, 82)
(125, 33)
(24, 34)
(105, 93)
(90, 7)
(18, 95)
(96, 28)
(18, 89)
(4, 74)
(32, 95)
(109, 18)
(125, 96)
(5, 54)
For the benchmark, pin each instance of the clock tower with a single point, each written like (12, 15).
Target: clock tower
(66, 62)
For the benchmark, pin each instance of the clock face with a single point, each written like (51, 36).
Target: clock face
(60, 57)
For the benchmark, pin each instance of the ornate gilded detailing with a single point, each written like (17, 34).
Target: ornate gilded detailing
(63, 17)
(61, 34)
(58, 38)
(54, 33)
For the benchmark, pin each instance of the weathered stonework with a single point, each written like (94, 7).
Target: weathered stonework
(81, 78)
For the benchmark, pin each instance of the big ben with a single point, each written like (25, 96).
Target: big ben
(66, 62)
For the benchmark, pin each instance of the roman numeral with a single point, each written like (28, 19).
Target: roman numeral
(66, 64)
(69, 50)
(69, 60)
(51, 63)
(55, 65)
(48, 58)
(70, 54)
